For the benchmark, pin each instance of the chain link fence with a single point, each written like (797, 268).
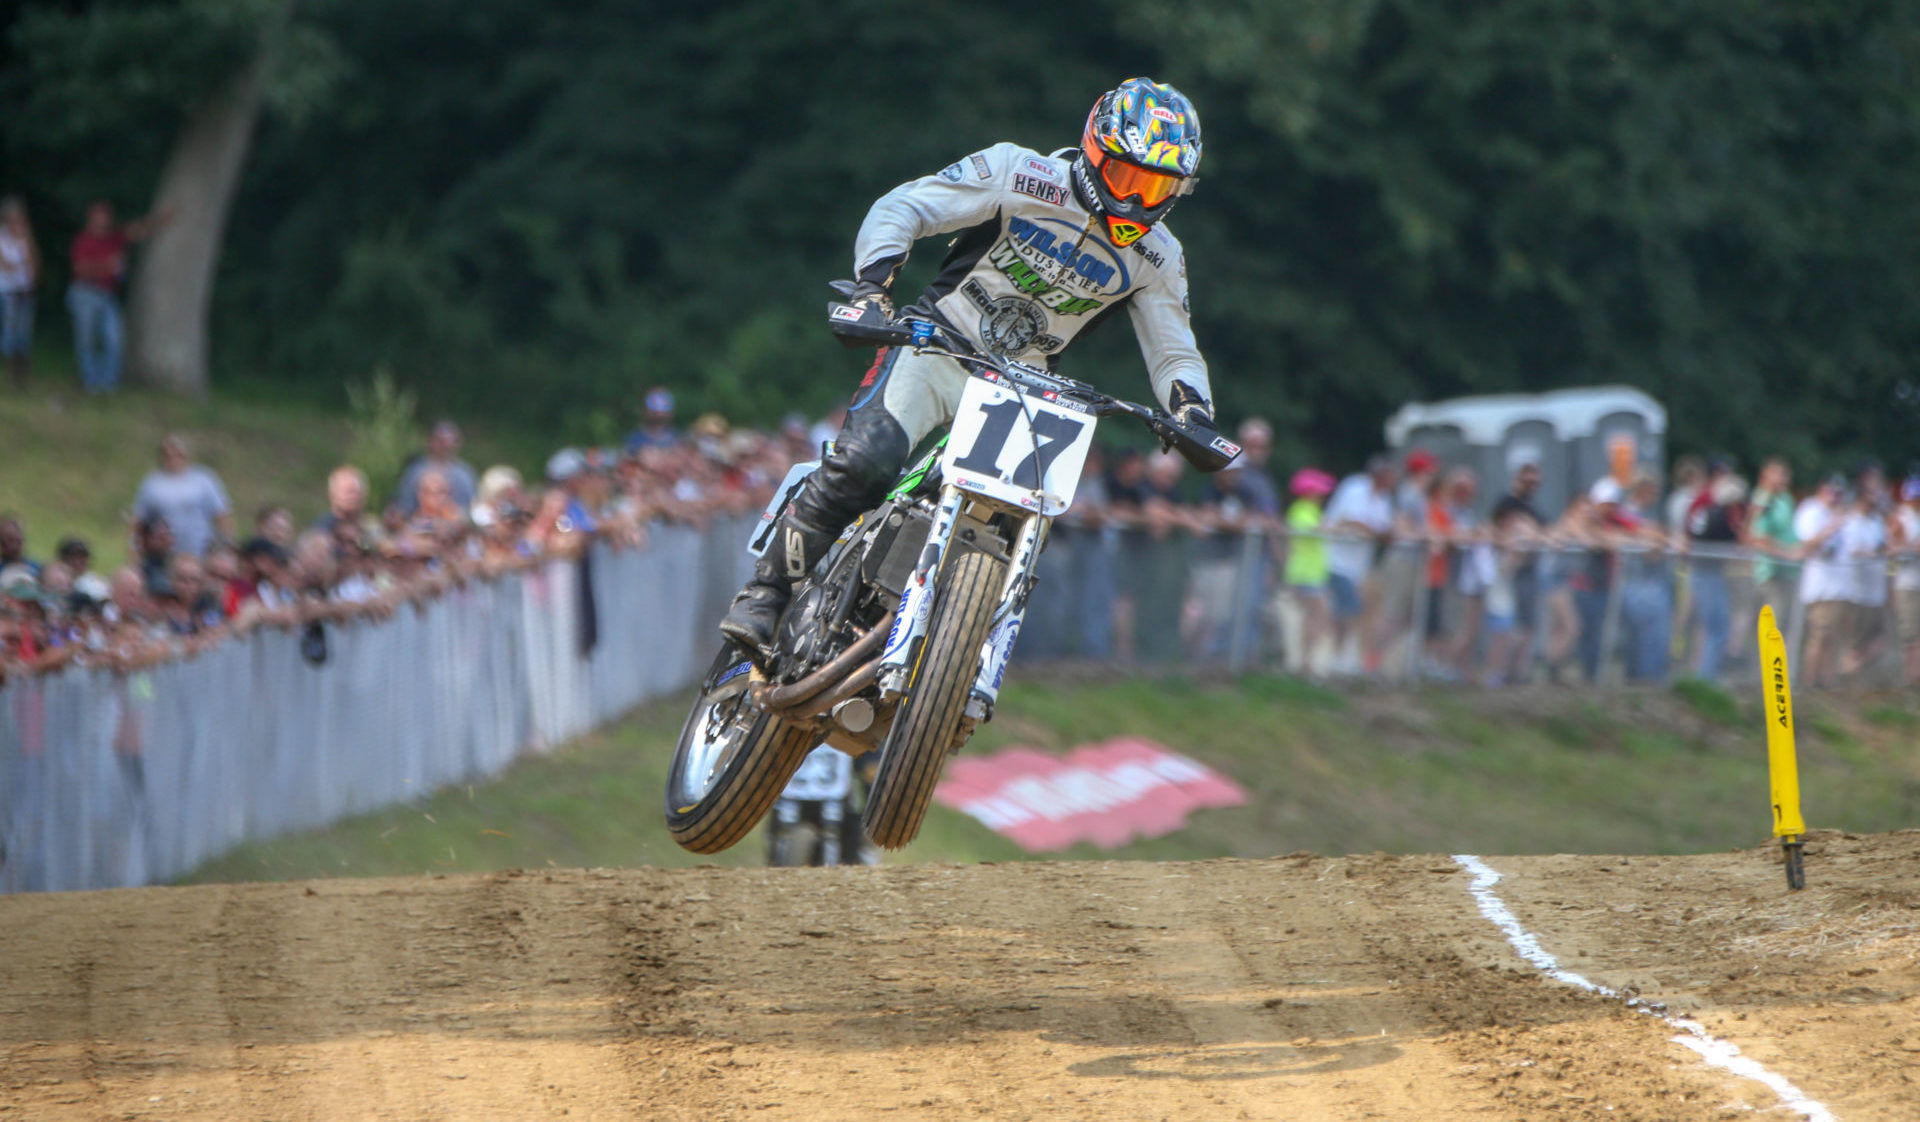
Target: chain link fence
(1585, 616)
(110, 779)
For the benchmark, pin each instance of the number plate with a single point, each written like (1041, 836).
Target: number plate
(999, 445)
(825, 774)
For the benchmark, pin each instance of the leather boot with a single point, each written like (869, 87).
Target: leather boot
(792, 551)
(853, 478)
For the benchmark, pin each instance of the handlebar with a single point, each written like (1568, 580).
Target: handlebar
(858, 324)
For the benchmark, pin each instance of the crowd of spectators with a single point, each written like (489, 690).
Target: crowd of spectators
(1400, 569)
(194, 578)
(1404, 569)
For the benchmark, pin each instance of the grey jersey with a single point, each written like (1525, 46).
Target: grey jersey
(1031, 268)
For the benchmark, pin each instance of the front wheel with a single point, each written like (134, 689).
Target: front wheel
(731, 763)
(929, 716)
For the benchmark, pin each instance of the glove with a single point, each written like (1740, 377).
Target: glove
(868, 295)
(1189, 408)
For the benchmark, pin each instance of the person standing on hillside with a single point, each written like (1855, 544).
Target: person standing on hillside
(188, 496)
(443, 456)
(99, 258)
(19, 276)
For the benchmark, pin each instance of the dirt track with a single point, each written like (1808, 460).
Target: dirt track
(1296, 988)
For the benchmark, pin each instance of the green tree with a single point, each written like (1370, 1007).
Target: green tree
(196, 71)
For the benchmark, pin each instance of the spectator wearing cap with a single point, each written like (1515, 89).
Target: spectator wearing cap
(567, 471)
(1823, 578)
(1903, 536)
(1401, 575)
(443, 456)
(77, 556)
(656, 423)
(1359, 518)
(1306, 572)
(189, 497)
(1592, 584)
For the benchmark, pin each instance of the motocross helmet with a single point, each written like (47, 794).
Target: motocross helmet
(1137, 156)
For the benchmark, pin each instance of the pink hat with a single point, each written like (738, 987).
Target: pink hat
(1311, 481)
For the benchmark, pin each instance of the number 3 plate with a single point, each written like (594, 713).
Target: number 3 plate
(1002, 440)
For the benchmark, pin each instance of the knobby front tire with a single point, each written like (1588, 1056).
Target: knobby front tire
(923, 729)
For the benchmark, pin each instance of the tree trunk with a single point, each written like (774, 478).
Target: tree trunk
(173, 284)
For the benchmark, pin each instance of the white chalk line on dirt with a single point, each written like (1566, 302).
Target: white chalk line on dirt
(1716, 1052)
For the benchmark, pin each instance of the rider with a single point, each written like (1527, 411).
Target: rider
(1045, 247)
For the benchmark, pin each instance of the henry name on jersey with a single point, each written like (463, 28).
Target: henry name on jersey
(1030, 267)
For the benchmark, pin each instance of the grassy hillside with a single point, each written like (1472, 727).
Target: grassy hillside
(1513, 772)
(69, 463)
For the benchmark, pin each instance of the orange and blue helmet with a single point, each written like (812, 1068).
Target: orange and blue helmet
(1137, 156)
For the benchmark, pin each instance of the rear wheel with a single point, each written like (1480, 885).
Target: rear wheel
(731, 763)
(929, 717)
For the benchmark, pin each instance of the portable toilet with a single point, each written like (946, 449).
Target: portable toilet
(1575, 435)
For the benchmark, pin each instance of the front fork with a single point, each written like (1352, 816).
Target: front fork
(998, 648)
(916, 609)
(916, 603)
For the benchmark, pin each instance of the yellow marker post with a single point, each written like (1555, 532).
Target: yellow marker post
(1782, 765)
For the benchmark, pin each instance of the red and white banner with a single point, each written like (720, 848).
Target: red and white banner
(1107, 793)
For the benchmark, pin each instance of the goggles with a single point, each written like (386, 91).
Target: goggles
(1129, 181)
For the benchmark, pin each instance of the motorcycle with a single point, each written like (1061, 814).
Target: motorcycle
(898, 640)
(815, 820)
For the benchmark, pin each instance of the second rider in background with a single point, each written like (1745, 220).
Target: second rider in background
(1047, 245)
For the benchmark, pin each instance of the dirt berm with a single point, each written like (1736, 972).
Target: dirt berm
(1293, 988)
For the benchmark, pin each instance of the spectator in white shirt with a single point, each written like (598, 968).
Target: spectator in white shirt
(1823, 578)
(189, 496)
(1863, 552)
(1358, 518)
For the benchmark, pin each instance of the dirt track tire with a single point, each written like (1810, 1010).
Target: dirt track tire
(916, 749)
(746, 788)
